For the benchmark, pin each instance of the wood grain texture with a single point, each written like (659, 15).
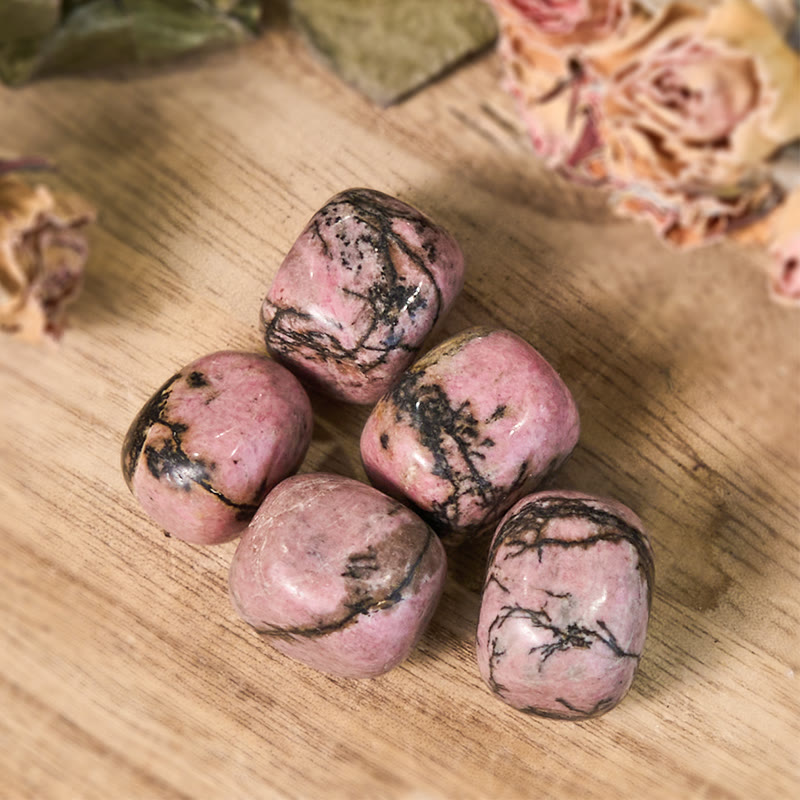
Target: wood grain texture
(124, 671)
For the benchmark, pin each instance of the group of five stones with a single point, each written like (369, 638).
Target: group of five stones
(344, 576)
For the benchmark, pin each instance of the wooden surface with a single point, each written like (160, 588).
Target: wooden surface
(124, 671)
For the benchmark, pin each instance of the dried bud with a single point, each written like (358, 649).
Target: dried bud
(43, 251)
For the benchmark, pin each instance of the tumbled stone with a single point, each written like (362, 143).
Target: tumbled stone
(206, 448)
(565, 605)
(470, 428)
(358, 293)
(337, 575)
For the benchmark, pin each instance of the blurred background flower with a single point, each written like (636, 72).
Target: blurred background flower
(678, 109)
(43, 252)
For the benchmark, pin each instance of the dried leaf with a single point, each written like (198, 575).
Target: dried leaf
(387, 49)
(100, 33)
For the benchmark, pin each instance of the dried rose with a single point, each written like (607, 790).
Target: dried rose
(693, 105)
(43, 250)
(540, 45)
(568, 22)
(552, 100)
(690, 219)
(780, 233)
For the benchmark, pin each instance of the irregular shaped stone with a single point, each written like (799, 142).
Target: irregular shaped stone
(565, 605)
(206, 448)
(358, 293)
(337, 575)
(387, 49)
(474, 425)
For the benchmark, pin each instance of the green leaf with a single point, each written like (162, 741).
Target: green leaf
(389, 48)
(102, 33)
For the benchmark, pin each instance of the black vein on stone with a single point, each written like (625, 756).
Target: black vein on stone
(360, 603)
(527, 530)
(170, 459)
(447, 431)
(565, 637)
(140, 427)
(291, 330)
(600, 707)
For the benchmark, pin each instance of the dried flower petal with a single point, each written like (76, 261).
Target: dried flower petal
(691, 108)
(784, 251)
(540, 45)
(43, 251)
(563, 24)
(696, 99)
(688, 220)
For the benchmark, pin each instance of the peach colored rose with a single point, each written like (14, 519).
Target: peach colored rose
(689, 110)
(783, 239)
(690, 219)
(563, 22)
(539, 42)
(785, 279)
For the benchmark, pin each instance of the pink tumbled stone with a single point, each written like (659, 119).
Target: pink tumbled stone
(358, 292)
(470, 428)
(206, 448)
(565, 606)
(337, 575)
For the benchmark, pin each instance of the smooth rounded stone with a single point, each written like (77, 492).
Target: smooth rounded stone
(565, 605)
(358, 293)
(337, 575)
(206, 448)
(474, 425)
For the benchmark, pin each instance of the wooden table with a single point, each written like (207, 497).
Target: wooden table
(124, 670)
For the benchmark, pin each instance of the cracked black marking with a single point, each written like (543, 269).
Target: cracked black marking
(498, 413)
(363, 599)
(359, 565)
(452, 434)
(291, 331)
(140, 427)
(196, 380)
(320, 238)
(494, 579)
(169, 460)
(527, 530)
(600, 707)
(565, 637)
(385, 441)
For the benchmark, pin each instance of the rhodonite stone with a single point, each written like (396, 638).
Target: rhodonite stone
(206, 448)
(358, 293)
(337, 575)
(565, 605)
(472, 426)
